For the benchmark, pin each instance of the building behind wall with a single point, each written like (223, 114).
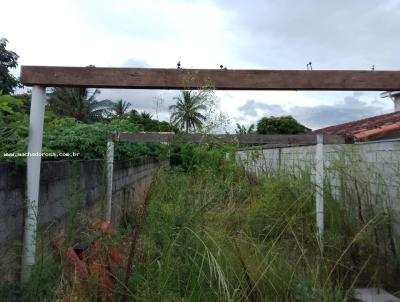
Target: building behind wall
(379, 127)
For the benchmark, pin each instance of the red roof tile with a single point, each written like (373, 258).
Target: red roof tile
(377, 132)
(352, 128)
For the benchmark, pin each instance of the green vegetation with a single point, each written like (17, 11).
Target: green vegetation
(9, 115)
(188, 112)
(214, 232)
(148, 124)
(217, 233)
(241, 129)
(8, 60)
(280, 125)
(76, 122)
(13, 123)
(120, 108)
(87, 141)
(63, 134)
(79, 103)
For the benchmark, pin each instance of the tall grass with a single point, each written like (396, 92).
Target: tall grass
(217, 233)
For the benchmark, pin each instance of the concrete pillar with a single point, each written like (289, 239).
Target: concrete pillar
(110, 171)
(396, 101)
(394, 96)
(33, 163)
(319, 182)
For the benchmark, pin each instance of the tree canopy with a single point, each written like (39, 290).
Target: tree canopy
(8, 60)
(120, 108)
(241, 129)
(280, 125)
(188, 111)
(79, 103)
(148, 124)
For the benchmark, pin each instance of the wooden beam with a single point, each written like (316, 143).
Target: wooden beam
(275, 139)
(155, 78)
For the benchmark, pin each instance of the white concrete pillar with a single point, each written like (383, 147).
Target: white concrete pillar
(33, 179)
(394, 96)
(319, 182)
(110, 171)
(396, 101)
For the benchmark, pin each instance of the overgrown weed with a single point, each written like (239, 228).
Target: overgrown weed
(215, 232)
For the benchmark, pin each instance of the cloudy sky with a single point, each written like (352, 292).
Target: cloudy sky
(257, 34)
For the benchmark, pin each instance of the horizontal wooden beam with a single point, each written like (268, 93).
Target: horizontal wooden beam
(274, 139)
(156, 78)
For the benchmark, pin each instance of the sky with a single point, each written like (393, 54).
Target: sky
(257, 34)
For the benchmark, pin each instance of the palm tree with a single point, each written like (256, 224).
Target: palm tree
(187, 111)
(241, 129)
(120, 108)
(79, 103)
(146, 115)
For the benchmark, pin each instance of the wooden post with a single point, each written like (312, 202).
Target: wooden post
(319, 182)
(33, 163)
(110, 170)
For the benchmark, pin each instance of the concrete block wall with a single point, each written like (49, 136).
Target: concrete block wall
(376, 165)
(64, 184)
(366, 175)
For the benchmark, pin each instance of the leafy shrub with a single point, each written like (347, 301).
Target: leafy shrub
(13, 123)
(280, 125)
(145, 121)
(189, 156)
(67, 135)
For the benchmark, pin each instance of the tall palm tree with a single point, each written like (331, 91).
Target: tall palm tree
(187, 112)
(79, 103)
(145, 115)
(120, 108)
(241, 129)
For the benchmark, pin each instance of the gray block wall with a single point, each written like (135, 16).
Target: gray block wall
(374, 164)
(366, 175)
(367, 172)
(64, 184)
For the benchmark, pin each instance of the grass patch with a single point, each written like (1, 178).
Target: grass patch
(214, 232)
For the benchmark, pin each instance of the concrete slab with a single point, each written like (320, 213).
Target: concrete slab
(374, 295)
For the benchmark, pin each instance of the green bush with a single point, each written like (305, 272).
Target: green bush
(190, 157)
(68, 135)
(280, 125)
(148, 124)
(13, 123)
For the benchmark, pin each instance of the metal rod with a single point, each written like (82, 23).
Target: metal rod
(33, 179)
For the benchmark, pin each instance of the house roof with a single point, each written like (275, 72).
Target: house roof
(367, 128)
